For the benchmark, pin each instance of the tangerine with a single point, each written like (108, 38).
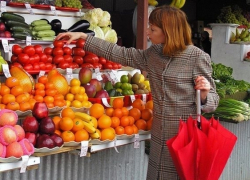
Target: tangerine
(7, 98)
(149, 124)
(48, 99)
(131, 120)
(11, 82)
(124, 121)
(32, 102)
(107, 134)
(39, 86)
(50, 92)
(58, 132)
(135, 113)
(75, 82)
(49, 85)
(69, 97)
(118, 103)
(115, 122)
(66, 124)
(38, 98)
(96, 110)
(2, 106)
(43, 79)
(22, 98)
(16, 90)
(141, 124)
(50, 105)
(104, 122)
(139, 104)
(75, 89)
(118, 113)
(4, 90)
(119, 130)
(25, 106)
(68, 112)
(77, 125)
(135, 129)
(68, 136)
(81, 135)
(109, 111)
(146, 114)
(129, 130)
(40, 92)
(149, 104)
(59, 103)
(58, 97)
(56, 120)
(125, 111)
(12, 106)
(79, 97)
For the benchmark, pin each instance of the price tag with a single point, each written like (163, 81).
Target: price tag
(137, 141)
(80, 12)
(105, 102)
(98, 74)
(6, 70)
(144, 98)
(41, 73)
(84, 148)
(115, 145)
(132, 97)
(28, 40)
(28, 7)
(24, 165)
(5, 45)
(69, 74)
(3, 6)
(53, 10)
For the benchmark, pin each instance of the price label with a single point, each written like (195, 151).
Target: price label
(115, 145)
(98, 74)
(105, 102)
(84, 148)
(29, 9)
(53, 10)
(69, 74)
(3, 6)
(28, 40)
(6, 70)
(80, 12)
(132, 97)
(41, 73)
(144, 98)
(136, 141)
(24, 165)
(5, 45)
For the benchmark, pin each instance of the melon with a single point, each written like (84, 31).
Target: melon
(14, 150)
(2, 150)
(8, 117)
(8, 135)
(20, 132)
(27, 147)
(59, 81)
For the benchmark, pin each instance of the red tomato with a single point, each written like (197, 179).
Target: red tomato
(32, 60)
(16, 64)
(53, 66)
(58, 43)
(43, 57)
(16, 49)
(68, 58)
(78, 51)
(88, 65)
(80, 43)
(36, 58)
(42, 65)
(38, 49)
(108, 66)
(78, 59)
(115, 66)
(28, 67)
(50, 59)
(29, 50)
(74, 65)
(67, 50)
(58, 59)
(91, 58)
(119, 65)
(36, 66)
(97, 65)
(63, 65)
(57, 51)
(48, 50)
(13, 58)
(23, 58)
(48, 66)
(102, 60)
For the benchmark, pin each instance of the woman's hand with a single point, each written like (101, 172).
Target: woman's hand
(203, 85)
(71, 36)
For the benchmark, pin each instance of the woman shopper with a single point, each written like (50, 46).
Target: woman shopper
(176, 69)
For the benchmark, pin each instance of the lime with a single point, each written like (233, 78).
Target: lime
(118, 85)
(119, 90)
(125, 92)
(124, 79)
(130, 92)
(125, 86)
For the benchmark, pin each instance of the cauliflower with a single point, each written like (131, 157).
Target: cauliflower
(105, 20)
(93, 16)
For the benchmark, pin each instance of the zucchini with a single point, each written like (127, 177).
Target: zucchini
(39, 22)
(12, 23)
(12, 16)
(45, 33)
(20, 29)
(42, 27)
(20, 35)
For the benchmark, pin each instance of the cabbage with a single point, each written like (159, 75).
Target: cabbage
(105, 20)
(93, 16)
(98, 32)
(111, 36)
(105, 29)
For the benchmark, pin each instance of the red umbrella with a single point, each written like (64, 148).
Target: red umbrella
(201, 153)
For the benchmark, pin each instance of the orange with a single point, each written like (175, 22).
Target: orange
(82, 90)
(66, 124)
(118, 113)
(58, 132)
(131, 120)
(2, 106)
(69, 97)
(138, 103)
(7, 98)
(135, 129)
(58, 97)
(59, 103)
(4, 90)
(56, 120)
(50, 104)
(149, 124)
(104, 122)
(49, 85)
(38, 98)
(43, 79)
(107, 134)
(94, 121)
(146, 114)
(25, 106)
(40, 86)
(149, 105)
(50, 92)
(75, 89)
(77, 125)
(141, 124)
(135, 113)
(75, 82)
(124, 121)
(96, 110)
(79, 97)
(22, 98)
(11, 82)
(125, 111)
(12, 106)
(129, 130)
(67, 136)
(109, 111)
(68, 112)
(32, 102)
(76, 104)
(40, 92)
(16, 90)
(48, 99)
(119, 130)
(118, 103)
(81, 135)
(115, 122)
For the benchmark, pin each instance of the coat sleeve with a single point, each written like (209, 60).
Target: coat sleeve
(203, 67)
(125, 56)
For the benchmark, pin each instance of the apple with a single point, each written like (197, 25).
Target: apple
(2, 34)
(8, 117)
(90, 90)
(31, 137)
(2, 26)
(96, 83)
(102, 94)
(57, 139)
(47, 126)
(44, 140)
(40, 111)
(7, 34)
(30, 124)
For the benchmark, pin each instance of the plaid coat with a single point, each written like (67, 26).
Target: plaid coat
(172, 86)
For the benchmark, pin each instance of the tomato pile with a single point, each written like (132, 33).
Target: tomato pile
(35, 57)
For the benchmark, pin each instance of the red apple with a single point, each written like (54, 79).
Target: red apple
(7, 34)
(2, 26)
(40, 111)
(30, 124)
(31, 137)
(2, 34)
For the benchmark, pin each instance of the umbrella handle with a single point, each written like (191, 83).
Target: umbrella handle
(198, 104)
